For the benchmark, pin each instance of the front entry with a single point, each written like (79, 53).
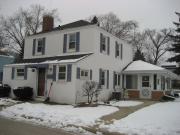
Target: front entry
(145, 87)
(41, 81)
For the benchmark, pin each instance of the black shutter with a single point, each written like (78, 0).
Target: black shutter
(101, 37)
(12, 73)
(107, 79)
(116, 47)
(65, 43)
(90, 74)
(100, 72)
(77, 41)
(78, 73)
(34, 47)
(54, 73)
(113, 80)
(69, 72)
(25, 73)
(44, 46)
(121, 51)
(108, 46)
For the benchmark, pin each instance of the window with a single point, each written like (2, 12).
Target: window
(117, 79)
(62, 73)
(84, 74)
(131, 81)
(104, 44)
(103, 78)
(72, 41)
(118, 51)
(20, 72)
(162, 82)
(40, 46)
(145, 81)
(155, 82)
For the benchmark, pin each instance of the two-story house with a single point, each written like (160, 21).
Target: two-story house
(67, 56)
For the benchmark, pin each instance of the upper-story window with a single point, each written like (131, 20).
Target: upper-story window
(38, 46)
(104, 44)
(118, 50)
(72, 41)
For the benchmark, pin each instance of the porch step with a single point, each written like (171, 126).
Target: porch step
(41, 99)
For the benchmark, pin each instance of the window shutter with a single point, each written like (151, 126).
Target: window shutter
(113, 80)
(25, 73)
(107, 79)
(101, 37)
(108, 46)
(100, 70)
(65, 43)
(77, 41)
(78, 73)
(44, 46)
(90, 74)
(34, 47)
(116, 47)
(12, 73)
(121, 51)
(54, 73)
(69, 72)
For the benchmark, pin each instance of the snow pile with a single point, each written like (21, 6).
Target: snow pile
(7, 102)
(158, 119)
(57, 116)
(125, 103)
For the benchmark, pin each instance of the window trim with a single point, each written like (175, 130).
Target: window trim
(62, 80)
(16, 73)
(105, 78)
(68, 42)
(106, 44)
(36, 48)
(119, 50)
(117, 79)
(85, 77)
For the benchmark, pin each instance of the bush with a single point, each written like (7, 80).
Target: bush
(5, 90)
(23, 93)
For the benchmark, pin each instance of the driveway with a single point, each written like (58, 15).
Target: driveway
(11, 127)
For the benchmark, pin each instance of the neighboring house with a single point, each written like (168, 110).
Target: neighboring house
(147, 81)
(68, 56)
(4, 59)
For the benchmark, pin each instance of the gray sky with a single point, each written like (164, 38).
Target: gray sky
(149, 13)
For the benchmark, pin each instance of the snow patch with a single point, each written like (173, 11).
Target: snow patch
(7, 102)
(125, 103)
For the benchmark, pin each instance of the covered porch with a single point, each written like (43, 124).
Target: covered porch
(143, 80)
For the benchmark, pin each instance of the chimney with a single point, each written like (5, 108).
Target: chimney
(48, 23)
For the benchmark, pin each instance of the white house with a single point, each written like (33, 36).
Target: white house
(67, 56)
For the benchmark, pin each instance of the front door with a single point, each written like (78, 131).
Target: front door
(41, 81)
(145, 87)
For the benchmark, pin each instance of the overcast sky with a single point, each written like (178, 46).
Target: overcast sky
(149, 13)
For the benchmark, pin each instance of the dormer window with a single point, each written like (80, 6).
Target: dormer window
(39, 45)
(72, 41)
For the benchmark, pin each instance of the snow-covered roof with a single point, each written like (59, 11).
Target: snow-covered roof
(140, 66)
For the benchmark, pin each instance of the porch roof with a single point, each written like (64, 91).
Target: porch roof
(140, 66)
(51, 60)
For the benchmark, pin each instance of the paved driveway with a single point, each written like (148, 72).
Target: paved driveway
(11, 127)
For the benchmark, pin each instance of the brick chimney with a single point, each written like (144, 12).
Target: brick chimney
(48, 23)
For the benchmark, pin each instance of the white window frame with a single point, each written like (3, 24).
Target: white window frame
(16, 73)
(37, 45)
(65, 79)
(71, 49)
(83, 77)
(105, 44)
(105, 78)
(118, 79)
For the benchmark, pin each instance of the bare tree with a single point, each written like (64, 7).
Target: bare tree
(158, 44)
(112, 24)
(90, 89)
(23, 23)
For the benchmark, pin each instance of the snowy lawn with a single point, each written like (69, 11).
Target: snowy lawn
(7, 102)
(158, 119)
(125, 103)
(57, 116)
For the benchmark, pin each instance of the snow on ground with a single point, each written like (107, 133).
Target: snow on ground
(7, 101)
(158, 119)
(125, 103)
(57, 116)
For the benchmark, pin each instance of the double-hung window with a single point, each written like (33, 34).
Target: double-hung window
(84, 74)
(104, 44)
(117, 79)
(20, 73)
(39, 45)
(72, 41)
(62, 73)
